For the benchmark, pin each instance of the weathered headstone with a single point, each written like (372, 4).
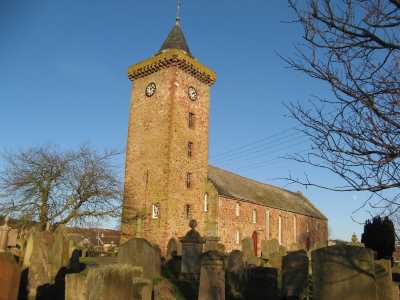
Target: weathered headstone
(4, 231)
(192, 248)
(172, 249)
(211, 244)
(269, 247)
(58, 251)
(384, 282)
(117, 281)
(248, 252)
(9, 277)
(343, 272)
(235, 275)
(295, 275)
(262, 283)
(212, 276)
(142, 288)
(395, 290)
(165, 290)
(139, 252)
(46, 258)
(75, 286)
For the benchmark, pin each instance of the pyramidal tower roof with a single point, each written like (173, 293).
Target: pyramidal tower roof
(176, 40)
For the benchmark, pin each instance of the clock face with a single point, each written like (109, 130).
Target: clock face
(150, 89)
(192, 93)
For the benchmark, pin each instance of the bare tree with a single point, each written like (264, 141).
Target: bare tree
(54, 187)
(354, 47)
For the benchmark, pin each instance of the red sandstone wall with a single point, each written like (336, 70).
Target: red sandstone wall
(307, 236)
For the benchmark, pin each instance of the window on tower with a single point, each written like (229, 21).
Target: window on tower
(190, 149)
(191, 120)
(188, 211)
(156, 210)
(189, 180)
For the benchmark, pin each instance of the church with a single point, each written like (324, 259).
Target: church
(168, 180)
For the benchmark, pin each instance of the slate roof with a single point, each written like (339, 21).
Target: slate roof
(235, 186)
(176, 40)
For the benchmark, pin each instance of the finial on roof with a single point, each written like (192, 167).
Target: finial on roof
(178, 12)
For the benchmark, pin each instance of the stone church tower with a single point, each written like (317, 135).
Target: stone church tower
(167, 149)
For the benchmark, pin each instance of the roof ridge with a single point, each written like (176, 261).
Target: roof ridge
(239, 187)
(256, 181)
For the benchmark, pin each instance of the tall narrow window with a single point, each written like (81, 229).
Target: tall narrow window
(156, 210)
(237, 236)
(188, 211)
(191, 120)
(190, 149)
(205, 202)
(280, 230)
(237, 209)
(267, 225)
(294, 229)
(254, 216)
(189, 180)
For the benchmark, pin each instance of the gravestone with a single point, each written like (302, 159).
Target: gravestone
(165, 290)
(343, 272)
(248, 252)
(192, 248)
(172, 249)
(269, 247)
(75, 286)
(9, 277)
(142, 288)
(4, 231)
(235, 276)
(139, 252)
(211, 244)
(261, 283)
(212, 276)
(117, 281)
(37, 261)
(45, 260)
(295, 275)
(58, 251)
(384, 282)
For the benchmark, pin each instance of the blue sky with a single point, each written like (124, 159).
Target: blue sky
(63, 81)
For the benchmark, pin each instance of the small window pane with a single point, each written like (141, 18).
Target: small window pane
(190, 149)
(188, 211)
(189, 180)
(156, 211)
(191, 120)
(205, 202)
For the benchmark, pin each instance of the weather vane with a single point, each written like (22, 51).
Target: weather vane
(178, 11)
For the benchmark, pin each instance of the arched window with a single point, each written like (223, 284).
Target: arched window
(206, 202)
(237, 209)
(237, 236)
(267, 224)
(254, 216)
